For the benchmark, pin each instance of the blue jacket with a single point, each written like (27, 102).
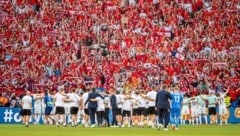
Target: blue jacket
(113, 101)
(162, 100)
(92, 95)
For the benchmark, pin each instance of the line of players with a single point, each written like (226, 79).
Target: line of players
(135, 108)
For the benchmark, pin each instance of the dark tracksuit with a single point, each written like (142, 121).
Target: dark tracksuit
(163, 107)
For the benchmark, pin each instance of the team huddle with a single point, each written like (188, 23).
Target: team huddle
(154, 108)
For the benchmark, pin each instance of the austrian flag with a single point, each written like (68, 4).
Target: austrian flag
(179, 56)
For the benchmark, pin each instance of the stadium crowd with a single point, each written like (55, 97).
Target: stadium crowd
(120, 45)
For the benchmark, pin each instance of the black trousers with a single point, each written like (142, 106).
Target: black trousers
(114, 117)
(163, 116)
(92, 112)
(106, 116)
(100, 117)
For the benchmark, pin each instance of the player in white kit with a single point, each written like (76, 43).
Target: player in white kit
(120, 100)
(59, 103)
(27, 107)
(84, 107)
(100, 110)
(194, 110)
(185, 110)
(151, 97)
(74, 106)
(222, 107)
(38, 100)
(126, 109)
(202, 109)
(135, 108)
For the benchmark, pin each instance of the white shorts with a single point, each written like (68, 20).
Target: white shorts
(53, 111)
(185, 111)
(43, 108)
(203, 110)
(37, 109)
(194, 112)
(67, 109)
(222, 110)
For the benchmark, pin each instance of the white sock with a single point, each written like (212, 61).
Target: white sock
(205, 118)
(200, 119)
(36, 119)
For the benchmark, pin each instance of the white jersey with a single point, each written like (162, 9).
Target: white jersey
(143, 102)
(194, 107)
(136, 99)
(212, 99)
(37, 99)
(201, 101)
(107, 102)
(194, 103)
(152, 96)
(59, 100)
(202, 105)
(84, 99)
(221, 101)
(75, 100)
(27, 102)
(185, 103)
(43, 106)
(222, 106)
(100, 104)
(127, 104)
(185, 106)
(120, 100)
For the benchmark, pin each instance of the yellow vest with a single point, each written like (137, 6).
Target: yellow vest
(227, 101)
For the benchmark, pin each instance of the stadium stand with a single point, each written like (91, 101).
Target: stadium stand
(121, 44)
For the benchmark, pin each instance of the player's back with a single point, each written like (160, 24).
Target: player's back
(177, 99)
(74, 99)
(84, 99)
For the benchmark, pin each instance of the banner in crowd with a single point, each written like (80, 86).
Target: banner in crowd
(11, 115)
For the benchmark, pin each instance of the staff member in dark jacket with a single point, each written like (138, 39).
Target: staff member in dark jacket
(163, 106)
(92, 105)
(113, 102)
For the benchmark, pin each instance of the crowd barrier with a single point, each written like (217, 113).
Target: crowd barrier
(11, 115)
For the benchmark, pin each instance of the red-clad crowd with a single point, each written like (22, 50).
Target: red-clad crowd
(123, 44)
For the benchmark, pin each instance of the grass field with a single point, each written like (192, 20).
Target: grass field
(43, 130)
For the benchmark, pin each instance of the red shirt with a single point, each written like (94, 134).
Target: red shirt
(233, 94)
(170, 71)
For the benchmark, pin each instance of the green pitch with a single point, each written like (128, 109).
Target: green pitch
(188, 130)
